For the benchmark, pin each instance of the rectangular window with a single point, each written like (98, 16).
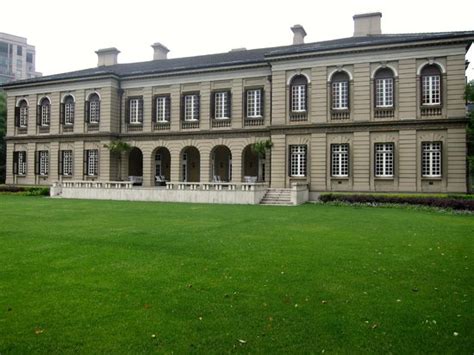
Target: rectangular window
(340, 160)
(67, 162)
(43, 162)
(19, 50)
(384, 92)
(92, 162)
(69, 113)
(21, 163)
(254, 103)
(340, 95)
(29, 58)
(298, 98)
(162, 109)
(431, 90)
(45, 114)
(23, 115)
(221, 105)
(94, 111)
(431, 159)
(384, 159)
(136, 111)
(191, 107)
(298, 160)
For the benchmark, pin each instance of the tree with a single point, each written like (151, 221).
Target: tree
(3, 148)
(261, 147)
(118, 147)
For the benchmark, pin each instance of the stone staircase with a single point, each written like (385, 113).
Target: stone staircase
(277, 197)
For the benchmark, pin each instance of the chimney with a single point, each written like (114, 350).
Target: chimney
(159, 51)
(298, 34)
(367, 24)
(107, 56)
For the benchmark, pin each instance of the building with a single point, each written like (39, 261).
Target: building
(371, 112)
(17, 59)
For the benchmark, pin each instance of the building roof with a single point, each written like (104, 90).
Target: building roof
(246, 57)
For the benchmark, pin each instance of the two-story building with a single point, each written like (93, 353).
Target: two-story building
(371, 112)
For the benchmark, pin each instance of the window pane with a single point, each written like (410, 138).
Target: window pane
(340, 159)
(384, 159)
(44, 162)
(384, 92)
(431, 159)
(298, 160)
(254, 98)
(92, 162)
(340, 92)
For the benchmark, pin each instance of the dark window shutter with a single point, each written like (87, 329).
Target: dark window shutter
(306, 97)
(154, 109)
(15, 163)
(85, 167)
(38, 115)
(305, 160)
(213, 105)
(87, 114)
(97, 172)
(262, 102)
(17, 116)
(290, 98)
(182, 107)
(168, 108)
(198, 106)
(73, 112)
(62, 113)
(348, 160)
(37, 162)
(140, 110)
(289, 160)
(349, 95)
(127, 111)
(229, 104)
(245, 100)
(60, 162)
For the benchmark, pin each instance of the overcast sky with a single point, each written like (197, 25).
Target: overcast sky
(67, 33)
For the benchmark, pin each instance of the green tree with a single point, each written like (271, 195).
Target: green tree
(470, 128)
(3, 148)
(118, 147)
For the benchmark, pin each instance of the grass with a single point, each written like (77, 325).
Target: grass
(105, 276)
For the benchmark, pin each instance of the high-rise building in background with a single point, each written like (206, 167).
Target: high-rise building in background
(17, 58)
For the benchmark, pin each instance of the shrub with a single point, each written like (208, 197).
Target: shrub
(433, 201)
(25, 190)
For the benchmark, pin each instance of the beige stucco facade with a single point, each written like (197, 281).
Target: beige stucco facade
(361, 128)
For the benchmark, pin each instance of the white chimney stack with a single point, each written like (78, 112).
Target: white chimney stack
(107, 56)
(367, 24)
(298, 34)
(159, 51)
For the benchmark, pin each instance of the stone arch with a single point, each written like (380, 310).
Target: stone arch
(190, 164)
(161, 160)
(339, 70)
(135, 165)
(221, 163)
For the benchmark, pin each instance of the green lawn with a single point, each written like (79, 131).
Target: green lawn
(131, 277)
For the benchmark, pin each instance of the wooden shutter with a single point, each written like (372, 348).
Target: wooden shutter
(229, 104)
(305, 160)
(213, 104)
(17, 116)
(306, 87)
(97, 172)
(15, 163)
(127, 110)
(85, 165)
(168, 108)
(262, 102)
(37, 162)
(154, 109)
(60, 162)
(38, 115)
(245, 99)
(140, 110)
(87, 114)
(182, 107)
(289, 160)
(198, 106)
(62, 113)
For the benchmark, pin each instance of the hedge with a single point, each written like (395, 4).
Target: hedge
(25, 190)
(449, 201)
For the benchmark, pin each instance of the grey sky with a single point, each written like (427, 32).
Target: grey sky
(66, 33)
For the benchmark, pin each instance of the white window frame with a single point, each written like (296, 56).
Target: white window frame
(21, 163)
(431, 90)
(384, 159)
(431, 159)
(93, 162)
(298, 98)
(67, 162)
(134, 111)
(298, 160)
(44, 163)
(254, 103)
(94, 110)
(23, 115)
(384, 93)
(45, 113)
(190, 110)
(221, 99)
(69, 108)
(161, 109)
(340, 95)
(340, 160)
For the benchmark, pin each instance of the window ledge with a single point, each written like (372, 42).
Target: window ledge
(384, 178)
(339, 177)
(431, 178)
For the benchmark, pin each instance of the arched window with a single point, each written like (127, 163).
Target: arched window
(430, 85)
(68, 110)
(22, 114)
(340, 91)
(44, 112)
(298, 94)
(384, 88)
(92, 114)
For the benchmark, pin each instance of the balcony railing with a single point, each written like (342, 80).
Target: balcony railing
(431, 111)
(219, 123)
(43, 129)
(134, 127)
(92, 127)
(340, 115)
(253, 121)
(161, 126)
(22, 130)
(298, 116)
(68, 128)
(189, 124)
(384, 113)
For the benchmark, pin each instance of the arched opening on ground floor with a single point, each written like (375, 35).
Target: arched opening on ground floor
(161, 165)
(221, 164)
(135, 166)
(190, 165)
(254, 165)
